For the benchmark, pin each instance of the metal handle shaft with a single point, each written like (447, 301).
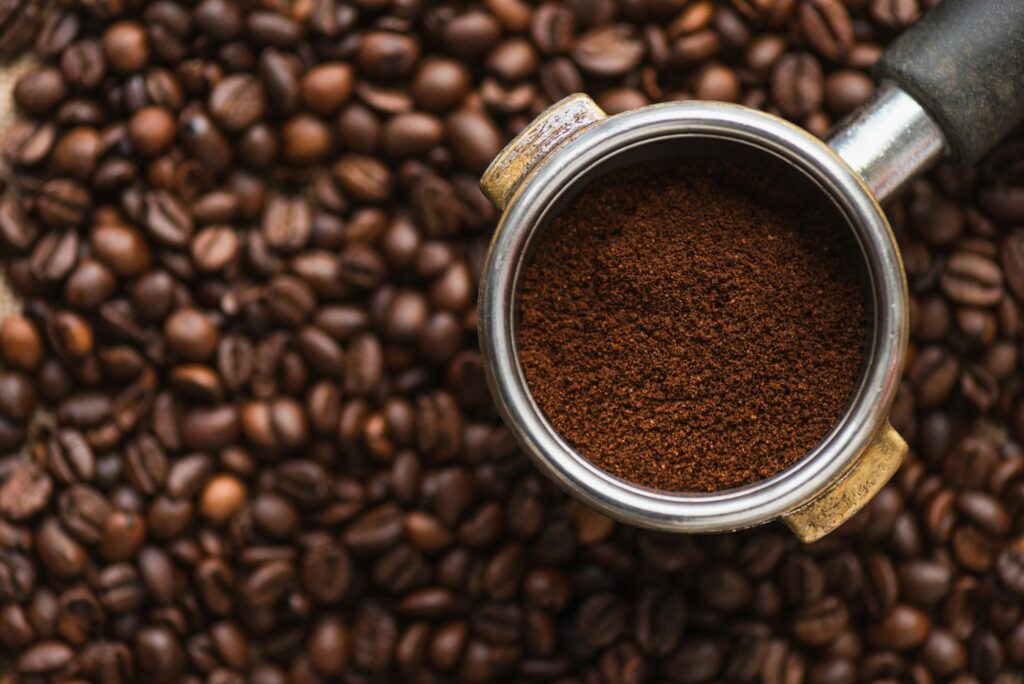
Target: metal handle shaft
(889, 141)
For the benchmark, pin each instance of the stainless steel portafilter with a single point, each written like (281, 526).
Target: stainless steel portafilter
(952, 85)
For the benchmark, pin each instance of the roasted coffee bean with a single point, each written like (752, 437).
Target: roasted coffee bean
(27, 144)
(66, 452)
(237, 102)
(439, 83)
(205, 141)
(904, 628)
(83, 64)
(167, 218)
(40, 90)
(363, 177)
(214, 248)
(191, 334)
(221, 498)
(660, 617)
(608, 51)
(158, 653)
(821, 622)
(16, 229)
(47, 661)
(152, 129)
(63, 202)
(287, 223)
(972, 279)
(84, 512)
(553, 28)
(25, 490)
(126, 46)
(895, 13)
(797, 84)
(19, 22)
(59, 553)
(827, 27)
(144, 464)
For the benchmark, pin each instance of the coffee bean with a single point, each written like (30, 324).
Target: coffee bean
(553, 28)
(221, 498)
(797, 84)
(695, 48)
(152, 129)
(847, 90)
(237, 102)
(56, 33)
(66, 452)
(972, 279)
(660, 617)
(439, 83)
(412, 135)
(374, 633)
(59, 553)
(126, 46)
(365, 178)
(84, 512)
(16, 229)
(475, 138)
(821, 622)
(387, 55)
(211, 428)
(608, 51)
(123, 535)
(827, 26)
(167, 218)
(326, 87)
(273, 29)
(599, 621)
(934, 371)
(895, 13)
(25, 490)
(144, 464)
(40, 90)
(19, 21)
(28, 144)
(903, 629)
(83, 64)
(158, 653)
(214, 248)
(63, 202)
(268, 583)
(287, 223)
(191, 334)
(47, 661)
(89, 285)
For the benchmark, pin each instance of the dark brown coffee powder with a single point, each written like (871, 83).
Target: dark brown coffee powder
(693, 326)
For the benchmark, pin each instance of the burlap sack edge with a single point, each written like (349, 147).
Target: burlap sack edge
(9, 73)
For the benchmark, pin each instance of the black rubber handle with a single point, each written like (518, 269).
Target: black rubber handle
(964, 62)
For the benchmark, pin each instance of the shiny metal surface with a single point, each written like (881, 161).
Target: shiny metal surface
(653, 132)
(888, 141)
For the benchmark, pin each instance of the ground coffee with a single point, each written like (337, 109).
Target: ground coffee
(693, 326)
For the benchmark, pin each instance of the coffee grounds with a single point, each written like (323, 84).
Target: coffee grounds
(693, 326)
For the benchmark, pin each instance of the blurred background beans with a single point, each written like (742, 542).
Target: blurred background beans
(244, 429)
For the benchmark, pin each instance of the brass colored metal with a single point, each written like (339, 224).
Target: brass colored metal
(853, 490)
(558, 124)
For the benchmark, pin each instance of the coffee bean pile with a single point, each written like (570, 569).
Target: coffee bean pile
(248, 235)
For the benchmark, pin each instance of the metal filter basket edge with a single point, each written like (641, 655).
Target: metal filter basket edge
(565, 147)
